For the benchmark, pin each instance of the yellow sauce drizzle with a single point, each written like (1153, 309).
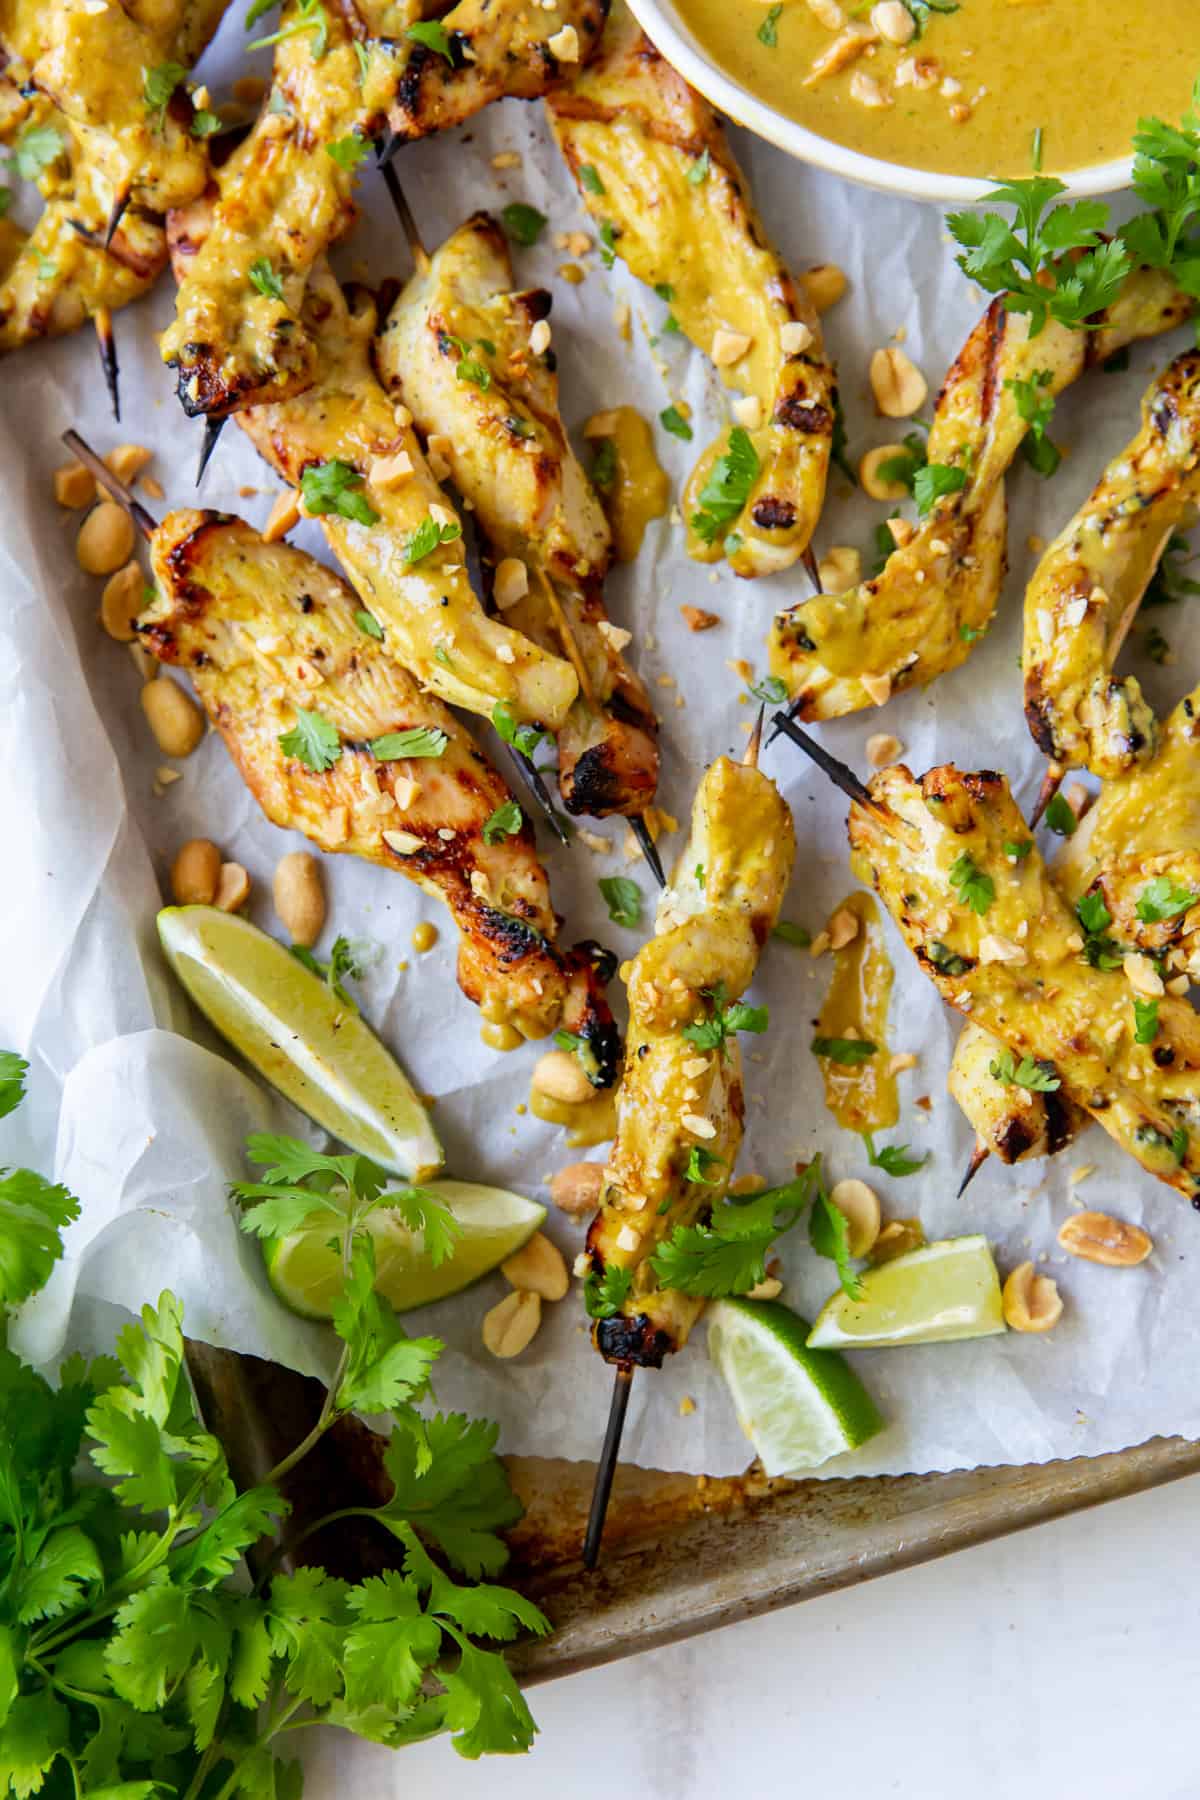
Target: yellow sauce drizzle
(591, 1122)
(501, 1037)
(424, 937)
(639, 490)
(861, 1096)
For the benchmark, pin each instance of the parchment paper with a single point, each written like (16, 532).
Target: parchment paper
(146, 1126)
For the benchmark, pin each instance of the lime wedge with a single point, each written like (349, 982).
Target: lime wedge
(306, 1272)
(295, 1031)
(945, 1290)
(797, 1406)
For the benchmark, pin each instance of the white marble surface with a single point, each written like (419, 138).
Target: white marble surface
(1061, 1662)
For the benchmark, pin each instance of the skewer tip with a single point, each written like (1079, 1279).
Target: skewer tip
(403, 210)
(212, 431)
(648, 847)
(754, 742)
(107, 345)
(606, 1468)
(811, 569)
(1050, 785)
(115, 216)
(979, 1156)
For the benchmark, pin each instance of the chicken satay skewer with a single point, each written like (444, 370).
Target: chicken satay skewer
(708, 931)
(585, 554)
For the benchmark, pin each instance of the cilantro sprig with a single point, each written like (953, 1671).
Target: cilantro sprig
(312, 740)
(728, 487)
(311, 17)
(728, 1254)
(723, 1022)
(975, 888)
(505, 821)
(1050, 260)
(345, 964)
(1037, 1076)
(336, 487)
(623, 899)
(893, 1159)
(136, 1658)
(1036, 408)
(1163, 899)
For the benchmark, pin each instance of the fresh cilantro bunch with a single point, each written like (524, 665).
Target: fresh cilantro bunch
(137, 1661)
(1166, 178)
(1050, 261)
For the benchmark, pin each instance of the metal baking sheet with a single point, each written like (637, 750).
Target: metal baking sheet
(683, 1554)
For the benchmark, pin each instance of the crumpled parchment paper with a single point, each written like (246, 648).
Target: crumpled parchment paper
(146, 1124)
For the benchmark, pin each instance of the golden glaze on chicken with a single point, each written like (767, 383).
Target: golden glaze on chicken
(283, 198)
(1020, 969)
(511, 462)
(936, 594)
(675, 1098)
(679, 215)
(265, 631)
(1087, 588)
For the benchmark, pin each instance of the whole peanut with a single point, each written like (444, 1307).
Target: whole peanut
(300, 897)
(173, 717)
(575, 1190)
(196, 872)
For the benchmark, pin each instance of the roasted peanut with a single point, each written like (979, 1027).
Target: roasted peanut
(512, 1324)
(893, 21)
(283, 517)
(121, 602)
(196, 873)
(897, 1238)
(173, 716)
(873, 483)
(696, 619)
(1031, 1302)
(769, 1288)
(74, 486)
(299, 896)
(860, 1205)
(559, 1076)
(1099, 1238)
(840, 569)
(233, 887)
(105, 539)
(575, 1190)
(824, 284)
(842, 928)
(127, 461)
(883, 748)
(898, 385)
(537, 1268)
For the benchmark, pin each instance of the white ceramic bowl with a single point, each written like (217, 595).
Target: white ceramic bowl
(664, 26)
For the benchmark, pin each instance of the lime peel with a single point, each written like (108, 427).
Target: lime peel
(944, 1291)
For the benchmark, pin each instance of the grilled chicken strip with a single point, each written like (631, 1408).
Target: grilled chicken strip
(1020, 969)
(937, 591)
(431, 616)
(511, 462)
(266, 632)
(60, 274)
(284, 199)
(657, 175)
(675, 1099)
(1089, 584)
(1143, 829)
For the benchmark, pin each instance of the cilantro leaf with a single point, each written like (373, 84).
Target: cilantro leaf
(1093, 914)
(839, 443)
(311, 17)
(484, 1706)
(1038, 1077)
(603, 471)
(369, 625)
(578, 1046)
(334, 487)
(312, 740)
(55, 1580)
(1036, 408)
(13, 1070)
(1032, 260)
(728, 487)
(523, 223)
(428, 537)
(697, 175)
(35, 149)
(385, 1367)
(1162, 899)
(215, 1552)
(606, 1293)
(349, 152)
(264, 278)
(1059, 817)
(1145, 1021)
(36, 1732)
(728, 1254)
(724, 1021)
(345, 964)
(432, 35)
(903, 468)
(770, 690)
(672, 420)
(789, 933)
(768, 31)
(461, 1498)
(589, 178)
(505, 821)
(205, 124)
(829, 1235)
(847, 1051)
(1017, 852)
(975, 889)
(158, 85)
(524, 738)
(415, 741)
(699, 1162)
(893, 1159)
(933, 482)
(623, 898)
(33, 1214)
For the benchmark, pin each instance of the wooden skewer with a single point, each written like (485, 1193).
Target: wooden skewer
(610, 1451)
(1050, 786)
(566, 635)
(107, 345)
(408, 224)
(839, 773)
(146, 523)
(979, 1156)
(116, 214)
(212, 431)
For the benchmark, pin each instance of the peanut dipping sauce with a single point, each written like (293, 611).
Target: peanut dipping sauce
(861, 1096)
(967, 96)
